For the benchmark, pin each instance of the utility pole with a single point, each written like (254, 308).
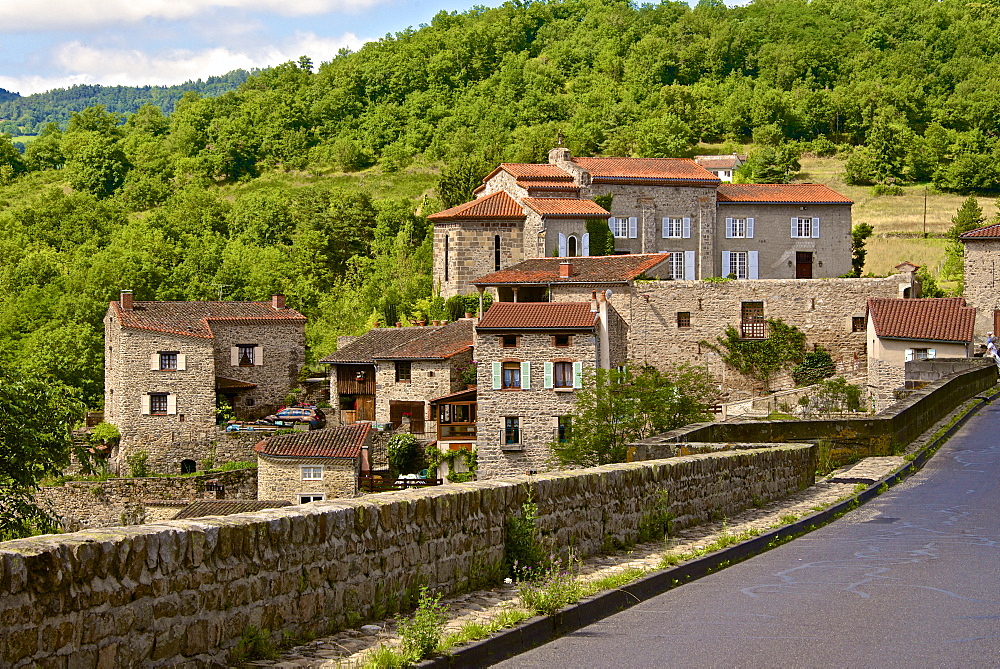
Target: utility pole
(221, 287)
(925, 212)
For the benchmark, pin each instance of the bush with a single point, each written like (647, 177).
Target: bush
(886, 189)
(421, 634)
(833, 396)
(105, 433)
(815, 366)
(137, 464)
(523, 555)
(406, 455)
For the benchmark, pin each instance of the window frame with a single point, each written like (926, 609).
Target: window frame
(564, 426)
(676, 264)
(403, 370)
(734, 261)
(671, 226)
(859, 323)
(504, 339)
(512, 426)
(619, 222)
(312, 469)
(515, 371)
(165, 360)
(739, 228)
(314, 497)
(247, 351)
(684, 319)
(564, 378)
(557, 338)
(154, 401)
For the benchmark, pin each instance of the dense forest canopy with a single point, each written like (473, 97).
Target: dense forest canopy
(242, 194)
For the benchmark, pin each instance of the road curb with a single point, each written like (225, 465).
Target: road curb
(542, 629)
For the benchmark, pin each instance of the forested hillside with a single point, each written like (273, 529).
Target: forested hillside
(29, 114)
(246, 194)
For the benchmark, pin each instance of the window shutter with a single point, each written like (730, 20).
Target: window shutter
(665, 223)
(144, 404)
(562, 245)
(526, 375)
(729, 229)
(171, 404)
(689, 265)
(611, 224)
(752, 265)
(578, 374)
(234, 356)
(154, 361)
(181, 362)
(547, 372)
(258, 355)
(749, 228)
(633, 227)
(815, 228)
(585, 244)
(795, 227)
(687, 228)
(497, 371)
(931, 353)
(908, 356)
(725, 264)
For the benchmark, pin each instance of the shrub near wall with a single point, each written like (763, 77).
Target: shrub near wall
(185, 591)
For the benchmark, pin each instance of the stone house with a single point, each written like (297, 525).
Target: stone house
(982, 276)
(723, 166)
(167, 362)
(750, 231)
(668, 319)
(531, 358)
(312, 466)
(408, 367)
(903, 330)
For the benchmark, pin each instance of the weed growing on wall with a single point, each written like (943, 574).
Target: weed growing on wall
(137, 464)
(654, 524)
(421, 633)
(523, 554)
(255, 644)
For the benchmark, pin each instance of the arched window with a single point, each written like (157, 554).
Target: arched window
(188, 466)
(571, 247)
(496, 253)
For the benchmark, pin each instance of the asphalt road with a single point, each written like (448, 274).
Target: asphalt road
(911, 579)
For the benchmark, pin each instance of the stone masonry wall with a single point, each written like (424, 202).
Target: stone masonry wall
(183, 592)
(275, 372)
(428, 379)
(470, 252)
(90, 504)
(982, 282)
(281, 478)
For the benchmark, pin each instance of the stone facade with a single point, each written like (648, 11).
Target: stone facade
(283, 478)
(185, 592)
(134, 501)
(428, 379)
(465, 250)
(982, 281)
(184, 426)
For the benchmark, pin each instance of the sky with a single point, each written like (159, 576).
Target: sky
(46, 44)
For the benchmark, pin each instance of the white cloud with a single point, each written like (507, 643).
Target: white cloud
(78, 14)
(82, 64)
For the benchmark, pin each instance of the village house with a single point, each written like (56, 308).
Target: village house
(531, 359)
(390, 375)
(900, 331)
(166, 363)
(711, 229)
(723, 166)
(982, 276)
(312, 466)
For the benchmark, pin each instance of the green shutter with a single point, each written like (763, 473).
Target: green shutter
(496, 375)
(547, 370)
(578, 375)
(526, 375)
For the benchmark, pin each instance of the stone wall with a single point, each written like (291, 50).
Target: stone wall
(281, 478)
(982, 281)
(470, 252)
(90, 504)
(183, 592)
(428, 379)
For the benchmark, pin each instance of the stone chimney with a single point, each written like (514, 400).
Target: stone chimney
(593, 301)
(278, 302)
(126, 300)
(560, 154)
(604, 336)
(565, 269)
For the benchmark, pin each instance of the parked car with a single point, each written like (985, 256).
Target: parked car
(292, 415)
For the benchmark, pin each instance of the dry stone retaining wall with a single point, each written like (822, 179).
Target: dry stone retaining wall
(184, 592)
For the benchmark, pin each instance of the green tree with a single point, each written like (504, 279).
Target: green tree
(460, 177)
(968, 217)
(602, 240)
(760, 359)
(35, 442)
(859, 233)
(616, 407)
(770, 165)
(95, 162)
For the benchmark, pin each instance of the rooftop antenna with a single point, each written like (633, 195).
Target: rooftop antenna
(221, 287)
(559, 138)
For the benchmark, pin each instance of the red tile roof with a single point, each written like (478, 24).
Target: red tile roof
(525, 171)
(933, 319)
(538, 184)
(728, 161)
(558, 207)
(374, 342)
(227, 507)
(499, 205)
(344, 441)
(645, 169)
(194, 319)
(990, 231)
(435, 343)
(780, 194)
(538, 315)
(586, 269)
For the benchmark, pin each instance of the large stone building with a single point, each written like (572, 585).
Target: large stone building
(531, 358)
(900, 331)
(312, 466)
(167, 362)
(748, 231)
(982, 276)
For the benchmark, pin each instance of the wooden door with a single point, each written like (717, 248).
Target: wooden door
(803, 265)
(365, 407)
(416, 415)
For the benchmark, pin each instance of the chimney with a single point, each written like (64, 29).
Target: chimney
(126, 300)
(593, 301)
(604, 337)
(278, 302)
(565, 269)
(560, 154)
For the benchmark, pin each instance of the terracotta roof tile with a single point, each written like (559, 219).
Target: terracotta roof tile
(724, 162)
(558, 207)
(439, 342)
(933, 319)
(586, 269)
(227, 507)
(541, 315)
(372, 343)
(540, 184)
(990, 231)
(194, 319)
(780, 194)
(659, 169)
(499, 205)
(344, 441)
(533, 171)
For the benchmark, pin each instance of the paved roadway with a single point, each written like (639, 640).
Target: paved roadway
(911, 579)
